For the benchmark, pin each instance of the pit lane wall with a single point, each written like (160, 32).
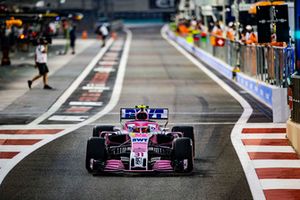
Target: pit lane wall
(272, 96)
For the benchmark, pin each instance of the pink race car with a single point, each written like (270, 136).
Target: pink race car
(142, 145)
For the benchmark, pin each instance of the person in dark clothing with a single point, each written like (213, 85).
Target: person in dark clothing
(73, 38)
(5, 45)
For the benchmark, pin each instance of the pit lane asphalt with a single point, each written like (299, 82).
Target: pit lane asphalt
(159, 76)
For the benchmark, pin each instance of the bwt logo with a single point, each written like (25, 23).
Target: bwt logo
(139, 140)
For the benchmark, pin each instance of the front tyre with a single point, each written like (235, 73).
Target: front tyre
(95, 150)
(183, 155)
(187, 131)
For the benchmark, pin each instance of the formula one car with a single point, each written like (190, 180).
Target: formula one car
(141, 145)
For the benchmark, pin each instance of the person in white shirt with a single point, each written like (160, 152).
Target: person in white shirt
(41, 63)
(104, 33)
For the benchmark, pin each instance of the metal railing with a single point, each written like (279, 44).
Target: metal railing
(269, 64)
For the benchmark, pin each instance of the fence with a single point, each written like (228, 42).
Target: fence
(273, 96)
(269, 64)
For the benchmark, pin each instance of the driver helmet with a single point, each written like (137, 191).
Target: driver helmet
(137, 129)
(142, 115)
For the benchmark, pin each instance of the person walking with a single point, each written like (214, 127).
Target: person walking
(41, 63)
(104, 33)
(72, 38)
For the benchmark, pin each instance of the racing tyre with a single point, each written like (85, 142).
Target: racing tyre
(188, 131)
(98, 129)
(95, 150)
(183, 155)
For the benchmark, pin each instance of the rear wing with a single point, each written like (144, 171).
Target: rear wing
(153, 113)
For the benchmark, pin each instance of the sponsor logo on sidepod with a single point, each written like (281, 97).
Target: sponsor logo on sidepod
(139, 140)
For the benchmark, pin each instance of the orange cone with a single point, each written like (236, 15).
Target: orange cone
(84, 34)
(114, 35)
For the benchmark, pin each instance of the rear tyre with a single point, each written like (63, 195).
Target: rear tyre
(188, 131)
(95, 150)
(98, 129)
(183, 155)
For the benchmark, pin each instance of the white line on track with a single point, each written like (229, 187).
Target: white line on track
(109, 63)
(263, 136)
(249, 170)
(94, 87)
(271, 149)
(112, 103)
(272, 184)
(14, 148)
(264, 125)
(104, 70)
(85, 103)
(3, 162)
(68, 118)
(276, 163)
